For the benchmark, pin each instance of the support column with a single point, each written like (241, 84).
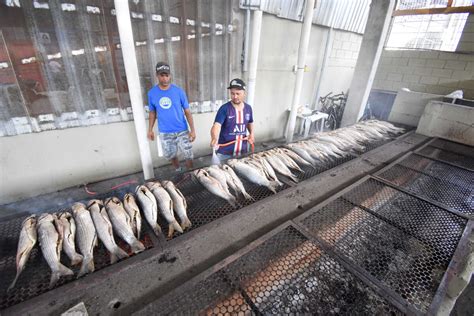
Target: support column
(134, 87)
(302, 49)
(256, 28)
(371, 49)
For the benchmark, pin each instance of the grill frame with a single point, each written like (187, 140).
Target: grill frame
(227, 264)
(454, 267)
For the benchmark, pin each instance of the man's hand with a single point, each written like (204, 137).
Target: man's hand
(151, 135)
(213, 143)
(251, 139)
(192, 136)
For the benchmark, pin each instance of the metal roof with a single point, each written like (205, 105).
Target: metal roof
(348, 15)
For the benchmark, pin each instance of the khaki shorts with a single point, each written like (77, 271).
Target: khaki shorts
(172, 141)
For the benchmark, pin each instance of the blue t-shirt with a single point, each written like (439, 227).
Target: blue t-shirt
(169, 106)
(233, 127)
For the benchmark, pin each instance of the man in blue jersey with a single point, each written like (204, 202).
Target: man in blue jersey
(169, 103)
(233, 120)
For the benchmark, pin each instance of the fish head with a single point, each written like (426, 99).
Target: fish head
(64, 214)
(78, 208)
(45, 217)
(30, 221)
(199, 172)
(141, 188)
(95, 202)
(167, 184)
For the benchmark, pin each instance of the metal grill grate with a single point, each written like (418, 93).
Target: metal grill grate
(448, 156)
(287, 274)
(203, 208)
(34, 280)
(443, 183)
(403, 242)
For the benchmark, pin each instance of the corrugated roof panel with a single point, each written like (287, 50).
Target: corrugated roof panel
(349, 15)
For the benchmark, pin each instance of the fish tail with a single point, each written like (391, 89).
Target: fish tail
(247, 196)
(137, 246)
(177, 227)
(157, 229)
(117, 254)
(233, 201)
(186, 223)
(87, 266)
(273, 186)
(62, 271)
(76, 259)
(14, 281)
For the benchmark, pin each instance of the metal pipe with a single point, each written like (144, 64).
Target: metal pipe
(246, 42)
(256, 28)
(327, 52)
(131, 70)
(303, 47)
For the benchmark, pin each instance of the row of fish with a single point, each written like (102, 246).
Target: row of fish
(99, 220)
(262, 168)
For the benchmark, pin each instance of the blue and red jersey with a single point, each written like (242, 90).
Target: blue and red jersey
(233, 128)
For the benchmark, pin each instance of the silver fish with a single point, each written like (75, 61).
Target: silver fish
(86, 237)
(218, 174)
(214, 186)
(133, 211)
(179, 203)
(104, 230)
(253, 173)
(293, 155)
(122, 224)
(149, 207)
(234, 182)
(261, 162)
(50, 239)
(26, 243)
(165, 206)
(69, 245)
(287, 160)
(302, 153)
(279, 166)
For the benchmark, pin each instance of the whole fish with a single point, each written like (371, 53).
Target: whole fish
(213, 186)
(293, 155)
(234, 182)
(26, 243)
(104, 229)
(122, 224)
(149, 207)
(260, 161)
(133, 211)
(287, 160)
(179, 203)
(253, 173)
(86, 237)
(218, 174)
(279, 166)
(302, 153)
(165, 206)
(50, 239)
(69, 245)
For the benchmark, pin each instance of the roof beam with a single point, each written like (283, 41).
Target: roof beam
(447, 10)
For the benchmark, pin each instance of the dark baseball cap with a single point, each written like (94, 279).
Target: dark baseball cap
(236, 84)
(162, 67)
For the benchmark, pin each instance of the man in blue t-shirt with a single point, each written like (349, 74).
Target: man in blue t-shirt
(169, 103)
(233, 120)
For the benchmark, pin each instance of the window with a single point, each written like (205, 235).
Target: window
(427, 31)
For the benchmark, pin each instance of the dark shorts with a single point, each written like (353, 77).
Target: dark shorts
(172, 141)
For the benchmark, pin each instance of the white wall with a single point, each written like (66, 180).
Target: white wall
(37, 163)
(426, 71)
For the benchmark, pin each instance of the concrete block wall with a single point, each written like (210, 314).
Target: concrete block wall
(466, 42)
(426, 71)
(345, 49)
